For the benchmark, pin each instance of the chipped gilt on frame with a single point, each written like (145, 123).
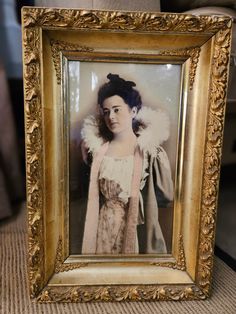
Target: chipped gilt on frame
(124, 115)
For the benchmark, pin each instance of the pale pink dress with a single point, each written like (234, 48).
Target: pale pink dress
(115, 178)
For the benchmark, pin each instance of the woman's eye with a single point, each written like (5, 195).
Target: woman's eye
(116, 110)
(105, 113)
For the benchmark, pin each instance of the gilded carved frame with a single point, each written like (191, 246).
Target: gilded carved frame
(202, 45)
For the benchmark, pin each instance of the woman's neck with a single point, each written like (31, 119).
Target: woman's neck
(122, 144)
(124, 137)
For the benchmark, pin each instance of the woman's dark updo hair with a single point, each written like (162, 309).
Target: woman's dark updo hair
(120, 87)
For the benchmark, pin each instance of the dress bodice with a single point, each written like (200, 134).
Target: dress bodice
(115, 177)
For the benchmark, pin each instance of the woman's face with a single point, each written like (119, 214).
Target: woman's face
(117, 114)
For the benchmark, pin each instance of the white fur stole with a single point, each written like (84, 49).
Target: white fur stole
(153, 131)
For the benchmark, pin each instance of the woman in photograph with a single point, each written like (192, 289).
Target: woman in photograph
(130, 173)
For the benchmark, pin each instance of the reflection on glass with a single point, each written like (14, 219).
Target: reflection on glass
(94, 81)
(74, 83)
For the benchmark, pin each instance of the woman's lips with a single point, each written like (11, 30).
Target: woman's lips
(113, 124)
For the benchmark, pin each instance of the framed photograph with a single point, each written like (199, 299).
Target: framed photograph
(124, 115)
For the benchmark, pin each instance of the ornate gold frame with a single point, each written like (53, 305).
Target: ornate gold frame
(202, 45)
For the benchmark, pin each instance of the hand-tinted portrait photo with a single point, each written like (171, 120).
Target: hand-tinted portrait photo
(122, 158)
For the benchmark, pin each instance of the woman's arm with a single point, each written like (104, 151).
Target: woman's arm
(162, 177)
(84, 151)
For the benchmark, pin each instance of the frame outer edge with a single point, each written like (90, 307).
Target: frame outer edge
(34, 156)
(49, 18)
(213, 153)
(33, 22)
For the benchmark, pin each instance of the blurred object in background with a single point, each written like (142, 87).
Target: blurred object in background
(183, 5)
(11, 182)
(11, 111)
(147, 5)
(10, 36)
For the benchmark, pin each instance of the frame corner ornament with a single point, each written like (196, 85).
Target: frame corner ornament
(194, 58)
(180, 263)
(192, 53)
(60, 266)
(57, 47)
